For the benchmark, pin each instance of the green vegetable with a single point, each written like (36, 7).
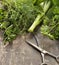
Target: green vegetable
(50, 19)
(50, 27)
(21, 16)
(37, 20)
(16, 16)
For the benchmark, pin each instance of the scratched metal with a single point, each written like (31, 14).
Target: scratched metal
(20, 53)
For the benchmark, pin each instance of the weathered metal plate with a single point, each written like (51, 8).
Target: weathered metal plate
(20, 53)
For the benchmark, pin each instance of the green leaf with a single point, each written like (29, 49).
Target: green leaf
(4, 25)
(56, 2)
(56, 10)
(9, 30)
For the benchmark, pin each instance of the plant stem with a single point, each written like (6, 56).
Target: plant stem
(39, 16)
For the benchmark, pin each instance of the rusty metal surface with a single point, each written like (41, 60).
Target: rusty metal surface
(20, 53)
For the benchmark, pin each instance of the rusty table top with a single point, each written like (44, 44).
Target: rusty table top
(20, 53)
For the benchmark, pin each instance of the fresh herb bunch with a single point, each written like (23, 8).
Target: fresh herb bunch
(49, 17)
(16, 16)
(21, 16)
(50, 25)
